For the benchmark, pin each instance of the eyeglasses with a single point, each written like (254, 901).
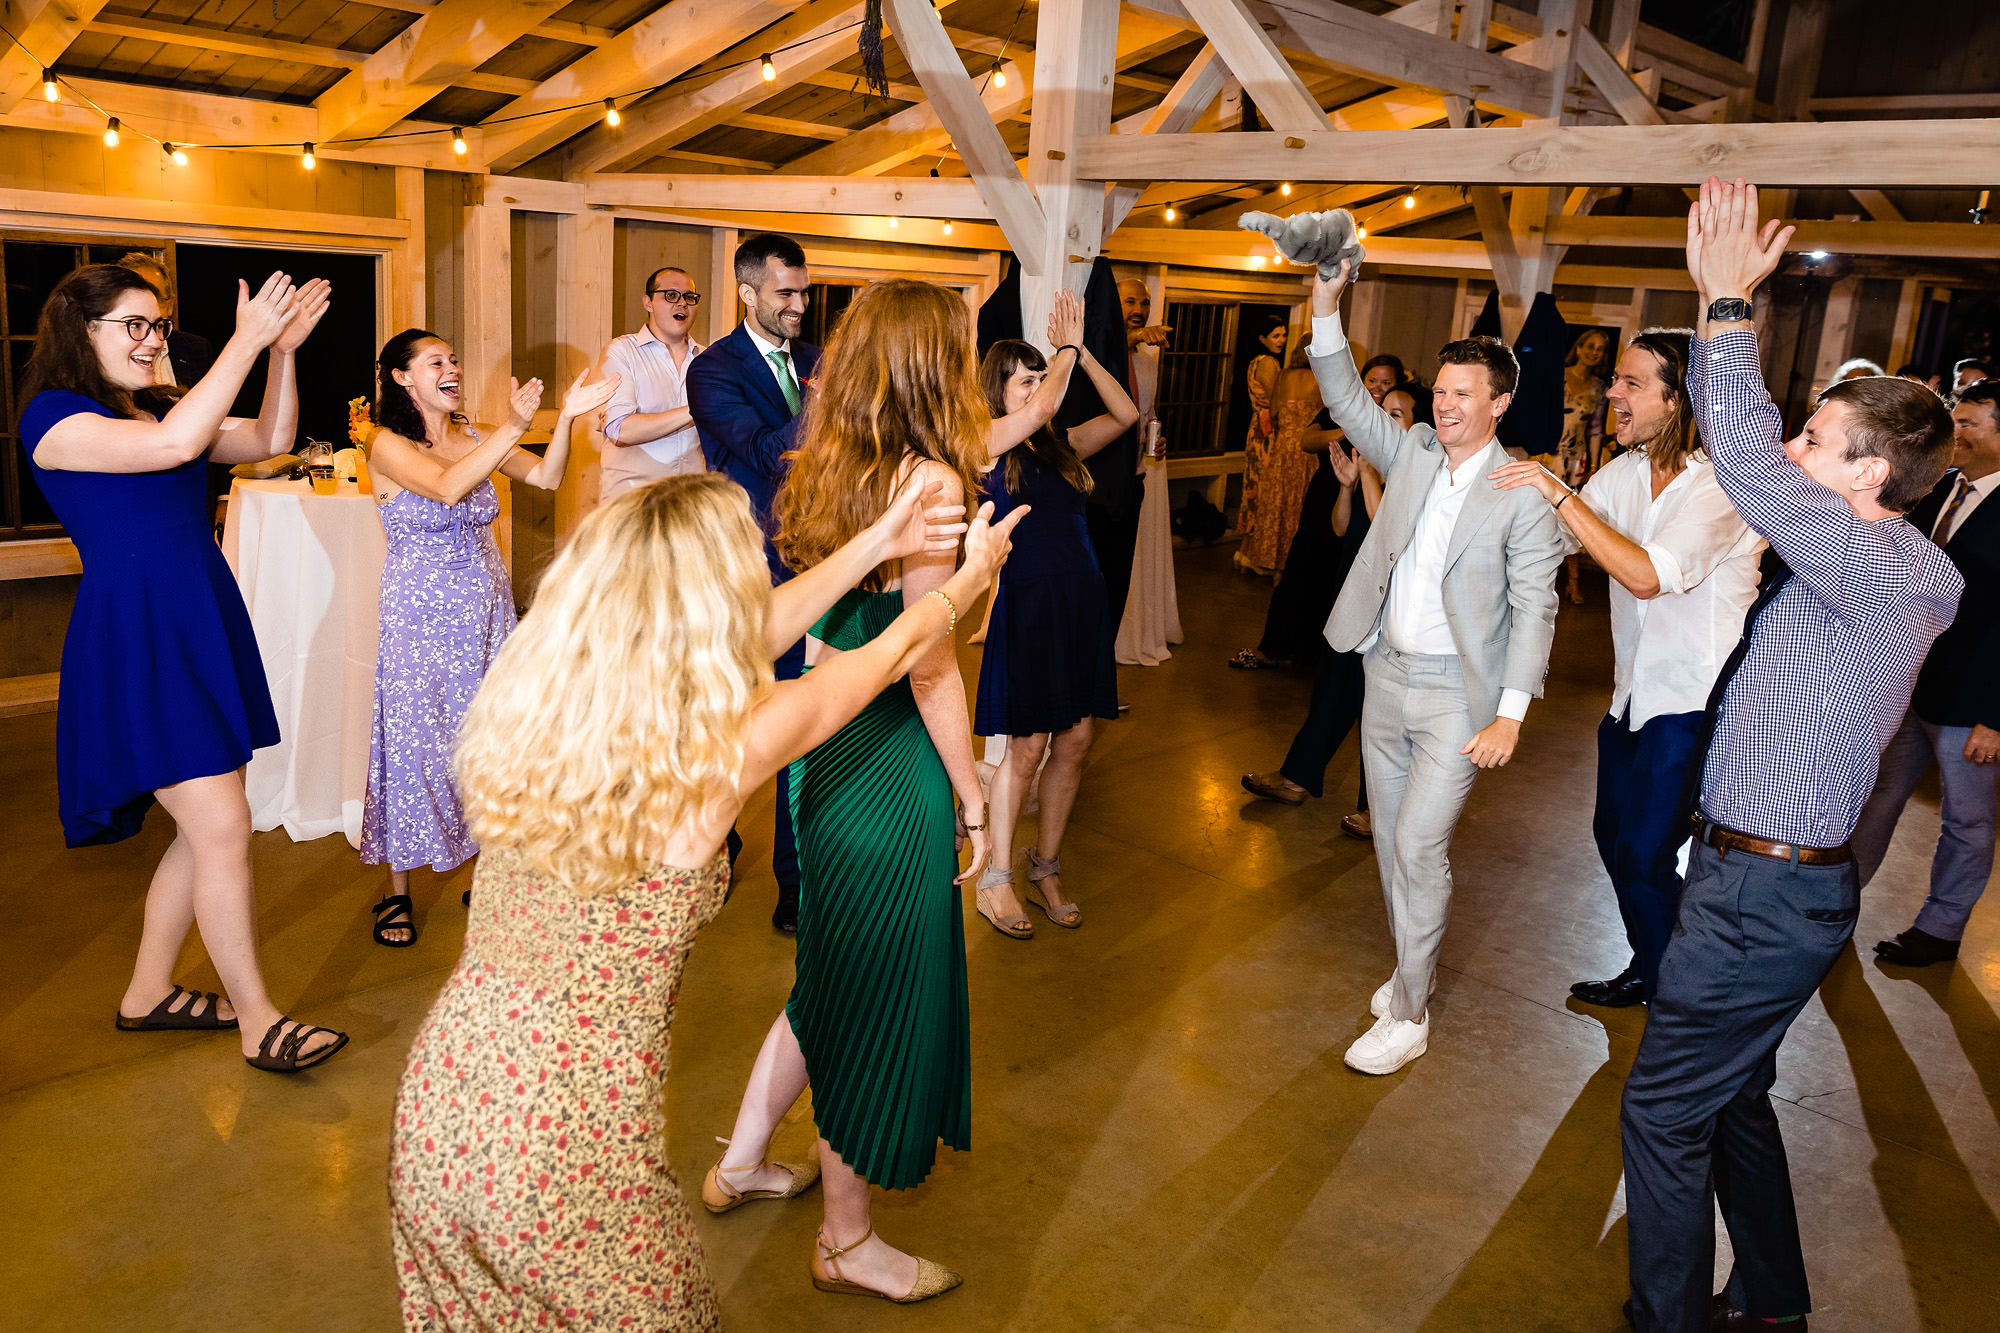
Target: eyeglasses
(672, 297)
(139, 328)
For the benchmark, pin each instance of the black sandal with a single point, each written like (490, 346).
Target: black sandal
(286, 1059)
(387, 912)
(193, 1018)
(1248, 660)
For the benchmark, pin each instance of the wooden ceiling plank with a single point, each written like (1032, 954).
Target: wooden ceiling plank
(46, 28)
(912, 133)
(449, 41)
(214, 39)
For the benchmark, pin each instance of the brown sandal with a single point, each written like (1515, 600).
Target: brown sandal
(932, 1279)
(192, 1017)
(285, 1059)
(719, 1196)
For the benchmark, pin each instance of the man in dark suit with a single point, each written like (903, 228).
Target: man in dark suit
(1954, 717)
(745, 391)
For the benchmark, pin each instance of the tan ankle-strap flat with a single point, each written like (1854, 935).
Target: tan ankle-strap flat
(719, 1196)
(932, 1279)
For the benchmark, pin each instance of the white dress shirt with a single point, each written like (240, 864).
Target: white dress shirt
(1413, 618)
(648, 381)
(1667, 651)
(1975, 492)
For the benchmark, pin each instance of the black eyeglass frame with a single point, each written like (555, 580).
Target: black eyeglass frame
(138, 327)
(676, 298)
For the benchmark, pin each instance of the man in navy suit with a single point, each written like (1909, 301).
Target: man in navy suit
(745, 391)
(1954, 717)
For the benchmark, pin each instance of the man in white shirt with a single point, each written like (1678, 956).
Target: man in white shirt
(1452, 600)
(648, 428)
(1683, 567)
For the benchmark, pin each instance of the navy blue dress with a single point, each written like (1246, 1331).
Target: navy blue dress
(161, 678)
(1048, 662)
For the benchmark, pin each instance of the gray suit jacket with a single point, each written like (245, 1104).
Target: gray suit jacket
(1500, 568)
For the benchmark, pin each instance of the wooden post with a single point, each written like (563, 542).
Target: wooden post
(486, 357)
(721, 302)
(1798, 60)
(1076, 44)
(1904, 334)
(583, 327)
(1836, 330)
(407, 265)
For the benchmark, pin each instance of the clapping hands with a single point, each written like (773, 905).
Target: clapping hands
(522, 400)
(1066, 320)
(311, 304)
(584, 398)
(262, 318)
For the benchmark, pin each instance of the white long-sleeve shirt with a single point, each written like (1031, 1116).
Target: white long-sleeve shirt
(649, 380)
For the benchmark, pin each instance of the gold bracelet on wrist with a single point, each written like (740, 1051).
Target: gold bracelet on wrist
(951, 606)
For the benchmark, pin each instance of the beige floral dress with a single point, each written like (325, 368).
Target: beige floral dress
(528, 1184)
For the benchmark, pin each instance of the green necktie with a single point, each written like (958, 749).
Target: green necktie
(782, 363)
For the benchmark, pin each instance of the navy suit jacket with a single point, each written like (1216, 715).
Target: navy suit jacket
(746, 428)
(1955, 687)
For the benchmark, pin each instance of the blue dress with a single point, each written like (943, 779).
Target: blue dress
(161, 677)
(1049, 646)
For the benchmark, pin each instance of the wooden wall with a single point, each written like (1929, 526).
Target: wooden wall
(137, 169)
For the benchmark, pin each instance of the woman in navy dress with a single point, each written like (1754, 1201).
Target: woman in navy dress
(1048, 671)
(163, 695)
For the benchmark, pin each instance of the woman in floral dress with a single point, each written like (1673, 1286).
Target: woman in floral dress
(1257, 510)
(446, 606)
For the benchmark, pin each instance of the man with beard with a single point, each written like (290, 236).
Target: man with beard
(745, 392)
(647, 422)
(1683, 567)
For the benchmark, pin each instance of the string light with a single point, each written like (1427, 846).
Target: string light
(50, 93)
(893, 223)
(947, 229)
(1256, 261)
(1361, 233)
(306, 159)
(767, 68)
(999, 75)
(179, 155)
(111, 133)
(611, 116)
(1286, 189)
(1170, 213)
(1410, 199)
(458, 141)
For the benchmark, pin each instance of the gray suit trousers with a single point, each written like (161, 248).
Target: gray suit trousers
(1414, 722)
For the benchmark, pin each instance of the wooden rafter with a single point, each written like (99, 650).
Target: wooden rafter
(449, 41)
(1254, 58)
(912, 133)
(873, 196)
(219, 39)
(44, 27)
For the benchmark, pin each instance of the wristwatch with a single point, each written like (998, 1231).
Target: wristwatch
(1727, 308)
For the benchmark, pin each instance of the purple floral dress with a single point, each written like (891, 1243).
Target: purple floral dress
(446, 609)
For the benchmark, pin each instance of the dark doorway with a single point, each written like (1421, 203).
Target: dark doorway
(338, 361)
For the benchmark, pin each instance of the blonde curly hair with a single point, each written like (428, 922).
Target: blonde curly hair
(619, 709)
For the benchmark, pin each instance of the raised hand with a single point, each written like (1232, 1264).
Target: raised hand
(1729, 252)
(987, 543)
(584, 398)
(261, 318)
(522, 400)
(1327, 291)
(916, 523)
(1066, 320)
(1346, 466)
(314, 299)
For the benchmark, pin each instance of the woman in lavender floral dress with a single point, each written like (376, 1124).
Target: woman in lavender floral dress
(446, 605)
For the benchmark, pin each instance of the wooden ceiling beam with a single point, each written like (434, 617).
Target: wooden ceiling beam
(217, 39)
(1615, 82)
(44, 27)
(868, 196)
(449, 41)
(1798, 60)
(910, 134)
(798, 129)
(851, 83)
(555, 30)
(1868, 153)
(1912, 102)
(1281, 96)
(1923, 240)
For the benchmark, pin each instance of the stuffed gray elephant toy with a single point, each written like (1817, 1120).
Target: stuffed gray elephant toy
(1312, 239)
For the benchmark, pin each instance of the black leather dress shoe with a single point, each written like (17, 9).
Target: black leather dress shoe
(785, 917)
(1916, 948)
(1727, 1319)
(1620, 992)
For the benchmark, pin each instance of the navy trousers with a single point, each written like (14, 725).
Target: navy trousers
(1640, 778)
(1338, 684)
(1756, 937)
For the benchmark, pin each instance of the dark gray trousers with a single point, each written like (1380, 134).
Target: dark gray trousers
(1755, 939)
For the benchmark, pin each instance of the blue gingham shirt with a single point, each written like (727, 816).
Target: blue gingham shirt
(1833, 659)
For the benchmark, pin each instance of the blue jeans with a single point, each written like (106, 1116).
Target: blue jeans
(1755, 939)
(1640, 777)
(1964, 859)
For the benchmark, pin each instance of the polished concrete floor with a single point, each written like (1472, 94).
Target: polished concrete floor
(1165, 1137)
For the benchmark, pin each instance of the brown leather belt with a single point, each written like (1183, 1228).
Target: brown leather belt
(1729, 840)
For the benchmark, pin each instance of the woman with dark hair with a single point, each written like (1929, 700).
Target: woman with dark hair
(446, 603)
(1582, 449)
(1049, 669)
(1303, 598)
(163, 695)
(1261, 380)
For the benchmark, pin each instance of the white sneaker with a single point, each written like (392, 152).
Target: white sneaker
(1389, 1045)
(1378, 1003)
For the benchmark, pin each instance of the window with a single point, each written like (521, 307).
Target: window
(829, 302)
(31, 265)
(1193, 397)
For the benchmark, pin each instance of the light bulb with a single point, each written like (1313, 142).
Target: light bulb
(1170, 213)
(111, 133)
(307, 160)
(767, 69)
(947, 229)
(458, 141)
(999, 75)
(1815, 256)
(179, 156)
(611, 116)
(1410, 200)
(1361, 233)
(893, 223)
(1286, 189)
(1256, 261)
(49, 90)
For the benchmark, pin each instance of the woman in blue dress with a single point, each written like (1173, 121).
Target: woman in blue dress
(1048, 671)
(163, 695)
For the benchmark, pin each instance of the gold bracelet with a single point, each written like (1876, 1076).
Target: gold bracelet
(949, 605)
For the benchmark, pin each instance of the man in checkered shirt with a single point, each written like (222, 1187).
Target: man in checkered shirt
(1800, 717)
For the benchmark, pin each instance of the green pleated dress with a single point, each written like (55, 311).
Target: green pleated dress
(879, 1003)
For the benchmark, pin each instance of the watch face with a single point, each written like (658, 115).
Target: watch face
(1729, 308)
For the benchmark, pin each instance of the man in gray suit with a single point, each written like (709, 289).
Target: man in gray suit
(1452, 599)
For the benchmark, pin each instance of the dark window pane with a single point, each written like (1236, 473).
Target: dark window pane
(33, 270)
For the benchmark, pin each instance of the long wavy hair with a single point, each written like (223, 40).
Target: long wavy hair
(619, 708)
(1004, 360)
(1680, 439)
(394, 408)
(64, 358)
(897, 384)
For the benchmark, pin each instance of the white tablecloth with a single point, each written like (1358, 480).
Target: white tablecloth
(1152, 611)
(310, 567)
